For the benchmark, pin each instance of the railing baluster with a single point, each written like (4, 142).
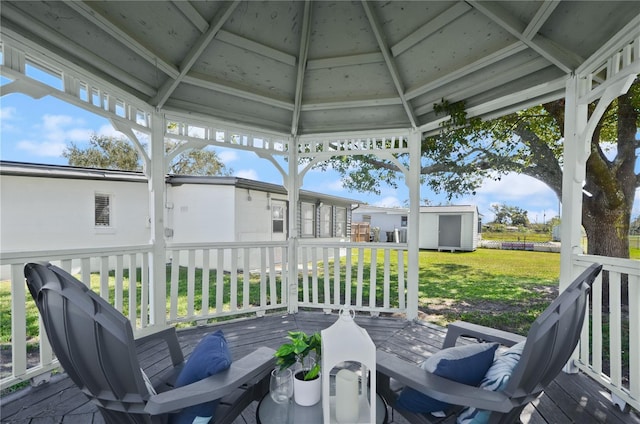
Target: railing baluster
(144, 291)
(246, 279)
(220, 281)
(387, 285)
(133, 290)
(191, 281)
(373, 286)
(175, 274)
(347, 278)
(233, 298)
(119, 286)
(360, 277)
(615, 329)
(206, 275)
(326, 285)
(336, 276)
(273, 292)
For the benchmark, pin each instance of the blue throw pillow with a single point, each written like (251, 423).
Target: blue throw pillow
(464, 364)
(495, 379)
(210, 357)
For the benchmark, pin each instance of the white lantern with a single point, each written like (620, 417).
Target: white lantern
(346, 342)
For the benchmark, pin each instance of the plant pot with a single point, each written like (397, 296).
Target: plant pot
(306, 393)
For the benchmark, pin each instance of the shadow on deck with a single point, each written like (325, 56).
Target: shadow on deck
(569, 399)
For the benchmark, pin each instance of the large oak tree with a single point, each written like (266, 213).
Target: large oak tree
(466, 152)
(118, 153)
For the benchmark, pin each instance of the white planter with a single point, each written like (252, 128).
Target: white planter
(307, 393)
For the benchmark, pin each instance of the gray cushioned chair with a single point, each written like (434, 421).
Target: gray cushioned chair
(94, 344)
(549, 345)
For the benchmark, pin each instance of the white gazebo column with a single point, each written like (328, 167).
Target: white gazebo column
(575, 154)
(413, 182)
(157, 261)
(293, 193)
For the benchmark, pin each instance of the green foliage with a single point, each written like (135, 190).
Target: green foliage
(107, 152)
(301, 347)
(104, 152)
(510, 215)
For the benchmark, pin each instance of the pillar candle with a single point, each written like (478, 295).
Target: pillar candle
(347, 399)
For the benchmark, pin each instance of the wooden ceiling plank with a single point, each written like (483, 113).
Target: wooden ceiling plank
(336, 62)
(121, 36)
(85, 55)
(261, 49)
(488, 60)
(192, 55)
(386, 101)
(191, 14)
(544, 11)
(516, 28)
(200, 81)
(305, 36)
(431, 27)
(391, 65)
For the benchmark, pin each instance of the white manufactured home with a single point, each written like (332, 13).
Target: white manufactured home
(50, 207)
(455, 227)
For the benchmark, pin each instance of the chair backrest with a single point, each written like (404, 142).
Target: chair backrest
(551, 340)
(92, 340)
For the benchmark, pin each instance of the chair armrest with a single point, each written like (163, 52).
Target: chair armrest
(249, 369)
(439, 387)
(168, 335)
(480, 332)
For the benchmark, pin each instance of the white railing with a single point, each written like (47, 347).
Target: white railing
(370, 277)
(111, 268)
(607, 362)
(226, 279)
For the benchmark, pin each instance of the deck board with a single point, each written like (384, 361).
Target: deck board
(569, 399)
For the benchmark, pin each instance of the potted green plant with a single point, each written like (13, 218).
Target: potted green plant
(305, 351)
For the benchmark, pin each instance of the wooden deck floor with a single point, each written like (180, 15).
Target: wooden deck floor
(569, 399)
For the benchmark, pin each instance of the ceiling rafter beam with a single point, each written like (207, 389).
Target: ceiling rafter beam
(564, 59)
(195, 80)
(391, 65)
(43, 32)
(305, 36)
(191, 14)
(431, 27)
(336, 62)
(542, 14)
(261, 49)
(352, 103)
(125, 39)
(169, 86)
(450, 77)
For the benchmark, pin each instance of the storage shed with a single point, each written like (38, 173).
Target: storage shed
(455, 227)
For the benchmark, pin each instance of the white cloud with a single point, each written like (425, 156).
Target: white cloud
(388, 202)
(227, 156)
(7, 113)
(513, 187)
(45, 148)
(250, 174)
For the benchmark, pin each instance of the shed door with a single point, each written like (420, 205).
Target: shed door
(449, 230)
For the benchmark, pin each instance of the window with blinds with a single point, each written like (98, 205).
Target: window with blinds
(102, 210)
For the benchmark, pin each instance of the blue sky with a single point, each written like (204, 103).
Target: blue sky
(38, 130)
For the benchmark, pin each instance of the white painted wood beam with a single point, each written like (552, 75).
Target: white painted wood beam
(302, 62)
(86, 11)
(336, 62)
(431, 27)
(44, 33)
(352, 103)
(544, 11)
(196, 50)
(205, 82)
(391, 65)
(625, 36)
(261, 49)
(469, 87)
(191, 14)
(564, 59)
(466, 70)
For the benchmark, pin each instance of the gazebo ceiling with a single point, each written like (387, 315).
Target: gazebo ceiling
(306, 67)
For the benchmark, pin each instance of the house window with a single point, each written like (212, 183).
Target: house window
(277, 217)
(326, 223)
(307, 212)
(341, 222)
(403, 221)
(102, 210)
